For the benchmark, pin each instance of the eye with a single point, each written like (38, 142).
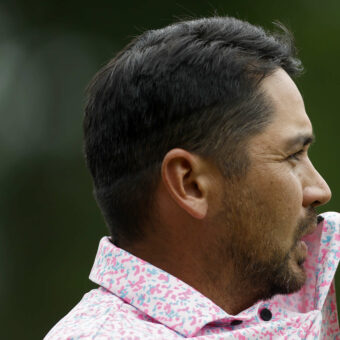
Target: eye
(296, 156)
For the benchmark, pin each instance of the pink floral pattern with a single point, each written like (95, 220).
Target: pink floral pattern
(138, 301)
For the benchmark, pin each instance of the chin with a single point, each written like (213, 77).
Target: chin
(285, 278)
(290, 280)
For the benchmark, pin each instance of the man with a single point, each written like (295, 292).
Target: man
(197, 140)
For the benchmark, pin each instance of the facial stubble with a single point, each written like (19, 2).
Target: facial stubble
(257, 267)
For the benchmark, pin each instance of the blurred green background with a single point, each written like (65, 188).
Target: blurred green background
(50, 224)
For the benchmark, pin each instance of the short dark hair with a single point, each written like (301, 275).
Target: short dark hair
(193, 85)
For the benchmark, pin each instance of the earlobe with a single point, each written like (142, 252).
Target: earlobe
(184, 178)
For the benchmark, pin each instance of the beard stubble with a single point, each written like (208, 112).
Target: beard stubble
(256, 264)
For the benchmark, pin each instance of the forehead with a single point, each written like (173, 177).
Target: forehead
(289, 116)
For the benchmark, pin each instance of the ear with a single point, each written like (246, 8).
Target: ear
(186, 179)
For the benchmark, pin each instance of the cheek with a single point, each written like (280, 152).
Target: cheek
(289, 193)
(280, 190)
(280, 199)
(293, 189)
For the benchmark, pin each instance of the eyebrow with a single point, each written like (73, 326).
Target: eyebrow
(300, 140)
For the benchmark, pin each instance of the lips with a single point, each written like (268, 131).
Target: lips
(320, 219)
(311, 230)
(301, 247)
(302, 251)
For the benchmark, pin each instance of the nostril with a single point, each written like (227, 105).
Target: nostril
(316, 204)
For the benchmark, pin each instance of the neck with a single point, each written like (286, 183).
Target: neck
(205, 270)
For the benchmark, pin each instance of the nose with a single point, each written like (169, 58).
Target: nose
(316, 191)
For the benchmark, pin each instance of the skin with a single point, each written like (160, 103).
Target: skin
(237, 241)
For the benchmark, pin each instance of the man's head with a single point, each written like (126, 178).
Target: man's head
(185, 137)
(191, 85)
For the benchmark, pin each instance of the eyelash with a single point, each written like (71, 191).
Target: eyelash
(296, 156)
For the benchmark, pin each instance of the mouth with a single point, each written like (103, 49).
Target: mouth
(303, 251)
(301, 246)
(312, 229)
